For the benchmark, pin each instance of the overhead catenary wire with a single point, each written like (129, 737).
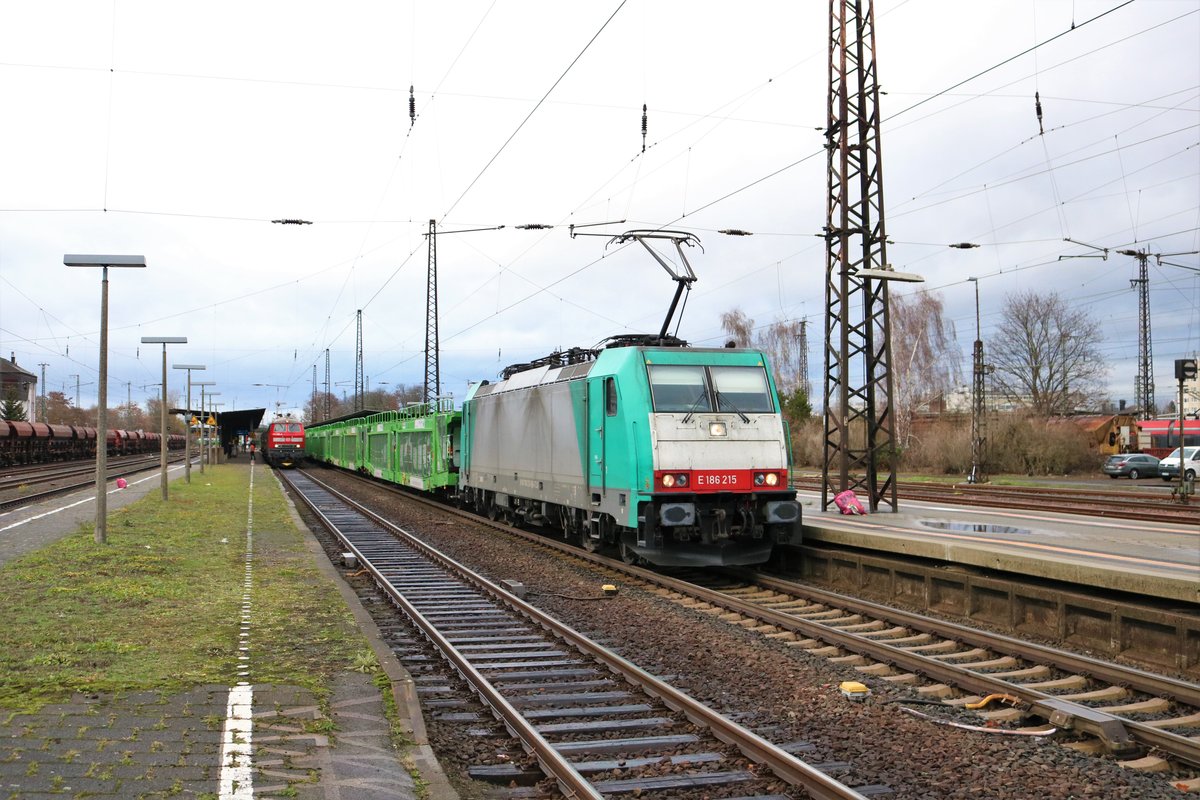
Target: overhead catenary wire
(534, 110)
(389, 279)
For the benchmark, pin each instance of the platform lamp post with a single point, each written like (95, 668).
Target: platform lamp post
(187, 423)
(162, 445)
(211, 453)
(202, 384)
(103, 262)
(214, 450)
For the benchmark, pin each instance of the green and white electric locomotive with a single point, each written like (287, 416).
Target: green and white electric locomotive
(674, 455)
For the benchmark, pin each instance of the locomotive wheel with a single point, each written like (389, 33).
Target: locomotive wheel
(590, 544)
(629, 555)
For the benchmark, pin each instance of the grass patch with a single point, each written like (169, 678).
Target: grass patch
(159, 605)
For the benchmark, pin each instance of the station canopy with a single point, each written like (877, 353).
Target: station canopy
(232, 424)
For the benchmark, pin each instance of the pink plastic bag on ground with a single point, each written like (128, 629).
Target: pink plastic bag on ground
(848, 504)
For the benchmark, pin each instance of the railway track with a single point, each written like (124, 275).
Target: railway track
(1148, 506)
(1149, 721)
(596, 723)
(15, 483)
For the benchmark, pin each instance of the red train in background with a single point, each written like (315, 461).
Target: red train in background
(282, 444)
(39, 442)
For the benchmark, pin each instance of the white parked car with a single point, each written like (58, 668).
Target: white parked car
(1168, 468)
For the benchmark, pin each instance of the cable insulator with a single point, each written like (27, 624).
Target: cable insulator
(412, 107)
(1037, 104)
(643, 127)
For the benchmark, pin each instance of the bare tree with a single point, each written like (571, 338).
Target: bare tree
(314, 409)
(58, 407)
(375, 400)
(153, 417)
(780, 341)
(925, 356)
(1046, 354)
(738, 326)
(405, 394)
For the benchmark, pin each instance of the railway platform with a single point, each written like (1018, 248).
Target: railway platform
(285, 743)
(1147, 559)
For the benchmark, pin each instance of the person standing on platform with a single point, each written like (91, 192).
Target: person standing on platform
(252, 452)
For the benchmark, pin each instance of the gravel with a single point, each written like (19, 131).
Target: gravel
(782, 693)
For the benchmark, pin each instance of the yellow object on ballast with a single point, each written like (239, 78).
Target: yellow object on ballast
(1003, 698)
(609, 589)
(854, 690)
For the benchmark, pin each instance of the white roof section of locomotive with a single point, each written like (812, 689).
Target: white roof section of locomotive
(538, 376)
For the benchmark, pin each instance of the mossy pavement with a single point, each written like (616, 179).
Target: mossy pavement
(117, 659)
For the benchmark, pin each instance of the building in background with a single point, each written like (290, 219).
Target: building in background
(23, 384)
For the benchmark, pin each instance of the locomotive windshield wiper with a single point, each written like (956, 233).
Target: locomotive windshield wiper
(692, 411)
(724, 401)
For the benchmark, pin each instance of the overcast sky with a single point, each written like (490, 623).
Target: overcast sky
(180, 131)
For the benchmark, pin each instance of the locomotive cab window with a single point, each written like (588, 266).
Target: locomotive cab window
(699, 390)
(679, 388)
(742, 389)
(610, 397)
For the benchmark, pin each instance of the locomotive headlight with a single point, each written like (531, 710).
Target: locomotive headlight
(674, 480)
(717, 429)
(772, 479)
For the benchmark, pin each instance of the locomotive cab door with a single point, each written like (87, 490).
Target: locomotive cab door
(601, 412)
(597, 389)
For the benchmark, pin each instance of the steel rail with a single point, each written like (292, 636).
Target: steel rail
(571, 783)
(114, 471)
(1043, 704)
(1064, 714)
(1116, 674)
(1095, 502)
(60, 470)
(786, 766)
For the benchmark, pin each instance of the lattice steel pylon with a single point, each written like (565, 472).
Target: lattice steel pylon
(358, 366)
(1143, 382)
(433, 379)
(805, 384)
(859, 424)
(326, 415)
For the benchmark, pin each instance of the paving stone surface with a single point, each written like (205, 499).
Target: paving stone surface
(159, 746)
(150, 745)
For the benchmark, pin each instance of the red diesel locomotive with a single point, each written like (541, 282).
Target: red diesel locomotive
(282, 444)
